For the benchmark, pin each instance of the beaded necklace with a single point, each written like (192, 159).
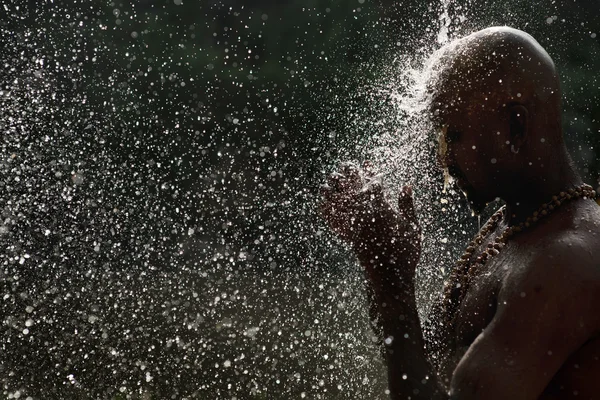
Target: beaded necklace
(465, 269)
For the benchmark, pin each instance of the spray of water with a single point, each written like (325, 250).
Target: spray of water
(403, 150)
(146, 256)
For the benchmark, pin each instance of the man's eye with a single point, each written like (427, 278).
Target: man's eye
(452, 135)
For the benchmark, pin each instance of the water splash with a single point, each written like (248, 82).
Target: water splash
(404, 150)
(445, 20)
(152, 251)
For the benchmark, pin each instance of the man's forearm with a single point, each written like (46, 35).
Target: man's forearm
(410, 374)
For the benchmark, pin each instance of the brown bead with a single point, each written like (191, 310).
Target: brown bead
(493, 249)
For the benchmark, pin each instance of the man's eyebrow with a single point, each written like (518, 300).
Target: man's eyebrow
(436, 112)
(433, 106)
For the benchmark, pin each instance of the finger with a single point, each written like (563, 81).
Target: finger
(372, 191)
(372, 186)
(331, 198)
(327, 203)
(406, 204)
(348, 164)
(352, 176)
(325, 190)
(325, 209)
(331, 214)
(368, 169)
(333, 181)
(369, 173)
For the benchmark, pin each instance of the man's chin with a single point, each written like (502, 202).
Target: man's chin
(477, 207)
(476, 204)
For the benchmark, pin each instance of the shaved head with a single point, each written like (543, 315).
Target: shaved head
(495, 95)
(497, 66)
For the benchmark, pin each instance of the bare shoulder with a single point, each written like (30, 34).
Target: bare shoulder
(569, 244)
(562, 263)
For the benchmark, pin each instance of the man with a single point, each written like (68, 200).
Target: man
(519, 316)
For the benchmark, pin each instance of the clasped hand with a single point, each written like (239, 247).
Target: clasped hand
(354, 205)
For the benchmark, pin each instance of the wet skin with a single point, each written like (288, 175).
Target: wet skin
(528, 326)
(537, 303)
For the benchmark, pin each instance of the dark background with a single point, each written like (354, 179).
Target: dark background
(161, 163)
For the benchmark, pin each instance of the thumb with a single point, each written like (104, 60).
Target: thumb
(406, 205)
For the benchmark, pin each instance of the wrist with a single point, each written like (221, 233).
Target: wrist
(393, 299)
(395, 254)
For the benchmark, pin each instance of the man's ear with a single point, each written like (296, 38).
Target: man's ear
(519, 125)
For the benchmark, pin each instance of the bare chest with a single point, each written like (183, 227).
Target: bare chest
(479, 303)
(477, 306)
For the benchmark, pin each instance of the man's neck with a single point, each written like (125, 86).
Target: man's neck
(531, 194)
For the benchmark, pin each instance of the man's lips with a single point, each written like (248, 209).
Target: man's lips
(461, 183)
(457, 175)
(460, 180)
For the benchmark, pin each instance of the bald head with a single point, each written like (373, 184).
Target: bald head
(498, 67)
(496, 96)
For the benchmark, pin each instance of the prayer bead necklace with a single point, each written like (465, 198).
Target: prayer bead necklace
(465, 269)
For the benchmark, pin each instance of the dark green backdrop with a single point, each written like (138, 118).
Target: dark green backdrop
(161, 162)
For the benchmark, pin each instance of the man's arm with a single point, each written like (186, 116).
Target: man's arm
(545, 313)
(515, 357)
(387, 243)
(410, 375)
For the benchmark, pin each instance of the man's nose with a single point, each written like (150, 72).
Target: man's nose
(442, 159)
(443, 153)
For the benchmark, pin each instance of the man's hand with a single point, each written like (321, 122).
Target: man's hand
(355, 207)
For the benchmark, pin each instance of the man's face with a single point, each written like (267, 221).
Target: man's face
(465, 151)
